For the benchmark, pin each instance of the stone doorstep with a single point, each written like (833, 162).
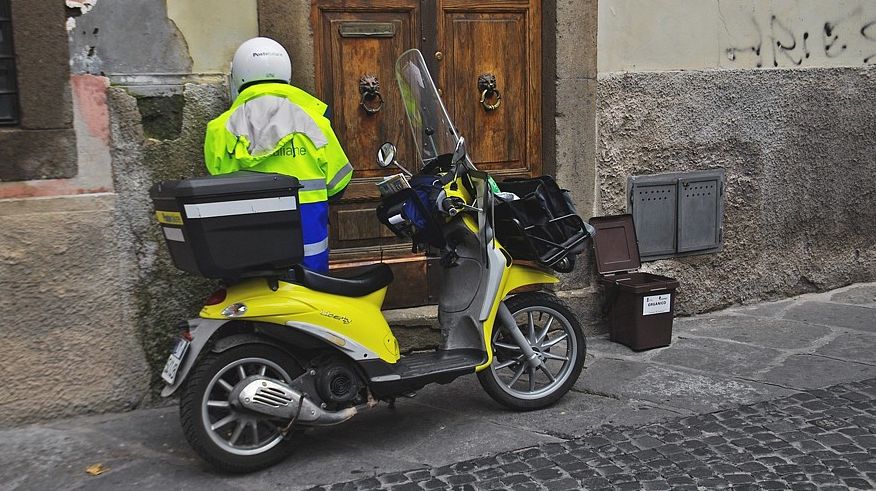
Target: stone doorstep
(80, 203)
(415, 328)
(414, 316)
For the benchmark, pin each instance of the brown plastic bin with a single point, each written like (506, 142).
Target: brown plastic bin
(641, 305)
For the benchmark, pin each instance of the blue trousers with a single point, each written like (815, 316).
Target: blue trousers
(314, 227)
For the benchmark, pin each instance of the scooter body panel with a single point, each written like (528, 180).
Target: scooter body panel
(347, 322)
(498, 287)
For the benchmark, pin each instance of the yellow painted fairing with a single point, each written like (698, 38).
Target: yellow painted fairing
(354, 318)
(515, 277)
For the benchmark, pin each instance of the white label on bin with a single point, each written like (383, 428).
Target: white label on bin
(240, 207)
(174, 234)
(656, 304)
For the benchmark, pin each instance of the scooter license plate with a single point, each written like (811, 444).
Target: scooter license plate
(174, 360)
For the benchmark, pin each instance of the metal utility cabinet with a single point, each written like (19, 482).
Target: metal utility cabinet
(677, 214)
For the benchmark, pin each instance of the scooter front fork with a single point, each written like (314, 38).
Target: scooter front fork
(532, 358)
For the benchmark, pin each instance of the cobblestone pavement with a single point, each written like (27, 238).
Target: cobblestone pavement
(816, 439)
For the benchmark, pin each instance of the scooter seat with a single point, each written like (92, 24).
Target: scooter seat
(365, 280)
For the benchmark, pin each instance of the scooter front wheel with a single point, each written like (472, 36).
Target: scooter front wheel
(554, 334)
(227, 437)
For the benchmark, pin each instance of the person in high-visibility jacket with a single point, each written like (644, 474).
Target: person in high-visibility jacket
(273, 126)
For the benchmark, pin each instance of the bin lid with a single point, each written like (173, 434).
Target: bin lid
(617, 249)
(235, 182)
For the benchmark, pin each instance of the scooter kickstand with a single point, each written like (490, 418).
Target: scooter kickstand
(408, 395)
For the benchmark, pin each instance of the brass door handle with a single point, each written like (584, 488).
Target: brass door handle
(369, 88)
(489, 92)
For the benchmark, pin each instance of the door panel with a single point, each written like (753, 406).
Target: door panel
(502, 39)
(353, 58)
(353, 39)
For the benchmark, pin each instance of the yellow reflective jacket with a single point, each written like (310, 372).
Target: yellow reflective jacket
(279, 128)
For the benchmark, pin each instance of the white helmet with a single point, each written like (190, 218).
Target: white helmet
(257, 60)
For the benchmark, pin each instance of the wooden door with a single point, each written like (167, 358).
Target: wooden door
(354, 38)
(502, 39)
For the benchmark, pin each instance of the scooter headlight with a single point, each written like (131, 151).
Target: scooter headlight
(234, 310)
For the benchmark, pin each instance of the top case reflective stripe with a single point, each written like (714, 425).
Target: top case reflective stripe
(241, 207)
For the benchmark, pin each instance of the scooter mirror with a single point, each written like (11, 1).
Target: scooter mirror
(386, 155)
(459, 152)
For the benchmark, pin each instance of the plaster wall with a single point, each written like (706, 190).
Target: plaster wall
(213, 29)
(797, 147)
(69, 344)
(90, 295)
(778, 93)
(126, 37)
(736, 34)
(154, 47)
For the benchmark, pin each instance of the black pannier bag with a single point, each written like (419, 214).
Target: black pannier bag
(542, 225)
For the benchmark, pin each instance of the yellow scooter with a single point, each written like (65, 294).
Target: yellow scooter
(270, 354)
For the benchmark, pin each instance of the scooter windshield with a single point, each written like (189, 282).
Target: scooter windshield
(434, 134)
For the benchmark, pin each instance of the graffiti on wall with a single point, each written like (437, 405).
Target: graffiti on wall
(777, 42)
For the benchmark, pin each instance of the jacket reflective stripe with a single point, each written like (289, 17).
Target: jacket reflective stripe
(313, 190)
(295, 140)
(312, 185)
(316, 247)
(341, 174)
(267, 120)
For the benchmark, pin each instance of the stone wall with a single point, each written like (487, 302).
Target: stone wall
(69, 345)
(162, 294)
(797, 147)
(90, 298)
(38, 145)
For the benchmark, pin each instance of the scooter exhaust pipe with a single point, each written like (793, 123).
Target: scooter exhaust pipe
(277, 399)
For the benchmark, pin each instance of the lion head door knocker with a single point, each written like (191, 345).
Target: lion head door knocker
(369, 89)
(489, 92)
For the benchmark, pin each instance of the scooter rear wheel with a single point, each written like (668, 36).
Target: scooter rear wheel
(228, 438)
(554, 334)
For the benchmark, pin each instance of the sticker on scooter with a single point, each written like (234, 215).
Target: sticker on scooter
(336, 317)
